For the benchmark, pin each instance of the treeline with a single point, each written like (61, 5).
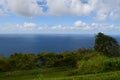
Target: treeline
(20, 61)
(81, 58)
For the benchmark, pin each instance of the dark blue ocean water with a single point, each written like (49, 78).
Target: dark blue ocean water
(29, 43)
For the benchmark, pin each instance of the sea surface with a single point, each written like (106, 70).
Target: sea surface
(37, 43)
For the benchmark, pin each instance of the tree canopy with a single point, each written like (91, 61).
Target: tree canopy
(106, 45)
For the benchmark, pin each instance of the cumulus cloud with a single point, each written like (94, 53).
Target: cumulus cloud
(2, 12)
(76, 27)
(29, 25)
(102, 9)
(94, 27)
(70, 7)
(107, 9)
(28, 8)
(79, 24)
(3, 8)
(26, 27)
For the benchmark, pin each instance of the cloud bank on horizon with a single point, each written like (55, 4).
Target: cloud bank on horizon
(105, 11)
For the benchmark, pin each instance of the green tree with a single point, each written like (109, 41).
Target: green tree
(46, 59)
(20, 61)
(4, 64)
(66, 58)
(106, 45)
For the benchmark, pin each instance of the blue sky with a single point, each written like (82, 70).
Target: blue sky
(59, 16)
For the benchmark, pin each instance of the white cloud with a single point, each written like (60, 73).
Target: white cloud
(94, 27)
(2, 12)
(107, 9)
(3, 8)
(28, 8)
(57, 7)
(101, 15)
(79, 24)
(102, 9)
(29, 25)
(70, 7)
(77, 27)
(26, 27)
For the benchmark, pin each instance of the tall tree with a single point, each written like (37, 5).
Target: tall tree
(106, 45)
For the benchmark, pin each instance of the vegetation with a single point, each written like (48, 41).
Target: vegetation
(96, 63)
(22, 61)
(102, 63)
(56, 74)
(106, 45)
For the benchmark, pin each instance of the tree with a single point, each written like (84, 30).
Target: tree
(4, 64)
(46, 59)
(106, 45)
(66, 59)
(20, 61)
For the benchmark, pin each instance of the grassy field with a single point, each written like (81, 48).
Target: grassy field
(36, 74)
(56, 74)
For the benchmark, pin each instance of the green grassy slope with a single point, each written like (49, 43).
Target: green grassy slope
(99, 76)
(51, 74)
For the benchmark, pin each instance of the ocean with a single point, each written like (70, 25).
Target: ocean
(37, 43)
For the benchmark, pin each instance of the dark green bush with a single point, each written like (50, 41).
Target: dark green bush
(46, 59)
(20, 61)
(112, 64)
(4, 64)
(66, 58)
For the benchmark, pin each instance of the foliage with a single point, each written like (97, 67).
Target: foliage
(112, 64)
(65, 59)
(91, 63)
(49, 59)
(79, 53)
(4, 64)
(46, 59)
(106, 45)
(22, 61)
(96, 62)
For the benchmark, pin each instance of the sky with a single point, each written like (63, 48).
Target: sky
(59, 16)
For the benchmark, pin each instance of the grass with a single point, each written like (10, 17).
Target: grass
(57, 75)
(99, 76)
(36, 74)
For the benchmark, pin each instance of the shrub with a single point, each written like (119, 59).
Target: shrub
(20, 61)
(66, 58)
(97, 62)
(78, 54)
(91, 63)
(112, 64)
(4, 64)
(46, 59)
